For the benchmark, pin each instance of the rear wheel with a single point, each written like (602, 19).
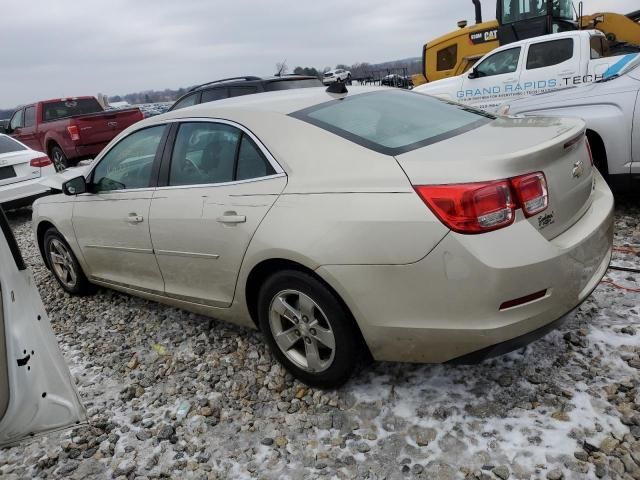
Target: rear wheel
(64, 264)
(58, 158)
(308, 329)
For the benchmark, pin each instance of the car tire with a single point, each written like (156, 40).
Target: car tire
(64, 264)
(317, 339)
(59, 159)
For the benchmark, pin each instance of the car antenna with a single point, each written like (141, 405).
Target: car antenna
(337, 88)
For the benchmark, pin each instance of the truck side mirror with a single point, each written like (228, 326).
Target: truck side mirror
(4, 126)
(75, 186)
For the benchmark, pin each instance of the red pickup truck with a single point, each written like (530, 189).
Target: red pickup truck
(69, 129)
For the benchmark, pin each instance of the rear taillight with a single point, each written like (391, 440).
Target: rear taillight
(40, 162)
(531, 191)
(586, 140)
(73, 133)
(472, 208)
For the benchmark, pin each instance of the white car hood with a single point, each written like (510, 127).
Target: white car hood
(55, 181)
(440, 88)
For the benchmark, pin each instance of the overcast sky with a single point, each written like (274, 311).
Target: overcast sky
(56, 48)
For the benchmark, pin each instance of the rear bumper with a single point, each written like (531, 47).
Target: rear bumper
(23, 192)
(447, 305)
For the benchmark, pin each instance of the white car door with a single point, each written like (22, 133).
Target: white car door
(111, 220)
(551, 64)
(493, 80)
(219, 186)
(37, 392)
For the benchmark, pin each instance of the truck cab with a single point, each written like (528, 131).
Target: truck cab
(528, 67)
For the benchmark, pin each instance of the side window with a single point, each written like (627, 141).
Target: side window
(214, 94)
(499, 63)
(129, 164)
(251, 162)
(597, 47)
(16, 120)
(29, 116)
(546, 54)
(447, 58)
(186, 102)
(204, 153)
(239, 91)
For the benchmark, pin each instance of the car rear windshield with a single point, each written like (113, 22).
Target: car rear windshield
(69, 108)
(8, 145)
(394, 121)
(289, 84)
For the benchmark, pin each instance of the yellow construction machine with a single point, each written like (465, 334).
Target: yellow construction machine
(456, 52)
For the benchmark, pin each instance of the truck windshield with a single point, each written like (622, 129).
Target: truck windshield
(519, 10)
(393, 122)
(70, 107)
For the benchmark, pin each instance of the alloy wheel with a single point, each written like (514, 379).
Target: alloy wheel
(302, 331)
(62, 263)
(58, 160)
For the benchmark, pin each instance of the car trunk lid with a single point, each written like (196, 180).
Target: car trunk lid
(16, 167)
(510, 147)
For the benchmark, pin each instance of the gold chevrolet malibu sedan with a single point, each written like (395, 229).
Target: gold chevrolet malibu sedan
(372, 221)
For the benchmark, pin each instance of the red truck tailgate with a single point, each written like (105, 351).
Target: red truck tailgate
(102, 127)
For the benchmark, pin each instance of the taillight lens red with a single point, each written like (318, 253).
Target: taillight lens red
(40, 162)
(472, 208)
(73, 133)
(532, 193)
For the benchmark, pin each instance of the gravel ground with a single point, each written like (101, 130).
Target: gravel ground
(567, 406)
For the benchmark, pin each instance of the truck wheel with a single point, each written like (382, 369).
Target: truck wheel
(58, 158)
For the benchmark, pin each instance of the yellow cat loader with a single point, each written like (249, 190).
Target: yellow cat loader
(456, 52)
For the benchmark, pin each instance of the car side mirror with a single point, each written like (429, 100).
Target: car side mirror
(4, 126)
(75, 186)
(473, 74)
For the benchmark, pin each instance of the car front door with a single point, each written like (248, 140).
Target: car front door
(111, 220)
(37, 393)
(28, 131)
(16, 123)
(494, 80)
(219, 186)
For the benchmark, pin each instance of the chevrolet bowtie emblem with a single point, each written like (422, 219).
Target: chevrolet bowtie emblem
(578, 169)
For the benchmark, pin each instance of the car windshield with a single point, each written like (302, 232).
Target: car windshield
(9, 145)
(289, 84)
(394, 122)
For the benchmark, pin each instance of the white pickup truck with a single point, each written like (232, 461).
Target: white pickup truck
(528, 67)
(611, 109)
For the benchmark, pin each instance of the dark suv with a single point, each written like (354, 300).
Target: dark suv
(237, 86)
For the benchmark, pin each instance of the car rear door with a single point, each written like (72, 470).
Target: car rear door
(551, 64)
(37, 392)
(219, 183)
(111, 220)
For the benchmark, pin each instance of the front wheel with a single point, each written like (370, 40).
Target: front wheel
(64, 264)
(308, 329)
(59, 159)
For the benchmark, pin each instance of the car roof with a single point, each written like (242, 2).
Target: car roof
(244, 80)
(282, 101)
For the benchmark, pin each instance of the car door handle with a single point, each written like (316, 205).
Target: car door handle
(133, 218)
(231, 218)
(510, 80)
